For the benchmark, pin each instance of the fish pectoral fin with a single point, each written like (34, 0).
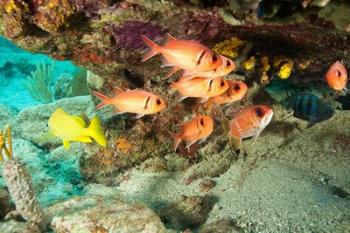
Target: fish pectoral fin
(202, 140)
(80, 120)
(310, 124)
(190, 144)
(182, 98)
(172, 71)
(138, 116)
(66, 144)
(85, 139)
(114, 113)
(255, 137)
(204, 100)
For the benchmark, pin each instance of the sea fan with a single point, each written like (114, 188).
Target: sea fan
(129, 34)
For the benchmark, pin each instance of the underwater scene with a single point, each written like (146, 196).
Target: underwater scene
(166, 116)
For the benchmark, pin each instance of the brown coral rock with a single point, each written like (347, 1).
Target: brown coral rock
(95, 214)
(52, 15)
(14, 17)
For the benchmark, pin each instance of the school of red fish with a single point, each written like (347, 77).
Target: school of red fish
(203, 77)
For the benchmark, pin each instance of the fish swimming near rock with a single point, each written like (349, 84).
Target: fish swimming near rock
(200, 87)
(310, 108)
(249, 122)
(226, 67)
(183, 54)
(198, 128)
(337, 77)
(132, 101)
(236, 91)
(71, 128)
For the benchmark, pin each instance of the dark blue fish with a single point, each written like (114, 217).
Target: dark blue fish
(310, 108)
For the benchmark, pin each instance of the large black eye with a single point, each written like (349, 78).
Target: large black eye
(237, 87)
(228, 63)
(259, 112)
(202, 122)
(222, 83)
(214, 58)
(158, 102)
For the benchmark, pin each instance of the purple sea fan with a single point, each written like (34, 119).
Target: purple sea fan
(129, 34)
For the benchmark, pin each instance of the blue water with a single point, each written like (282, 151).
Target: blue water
(15, 65)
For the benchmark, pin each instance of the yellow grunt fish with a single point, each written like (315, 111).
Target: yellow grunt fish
(73, 128)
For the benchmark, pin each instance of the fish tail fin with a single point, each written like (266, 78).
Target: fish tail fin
(105, 100)
(95, 131)
(177, 139)
(153, 46)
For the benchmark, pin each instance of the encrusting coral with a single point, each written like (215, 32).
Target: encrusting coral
(129, 34)
(20, 186)
(21, 189)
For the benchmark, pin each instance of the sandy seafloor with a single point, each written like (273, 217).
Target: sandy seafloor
(292, 179)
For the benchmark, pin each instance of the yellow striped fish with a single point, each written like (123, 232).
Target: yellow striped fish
(74, 129)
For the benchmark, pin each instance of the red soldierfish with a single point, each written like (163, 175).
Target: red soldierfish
(337, 77)
(198, 128)
(250, 121)
(200, 87)
(184, 54)
(226, 67)
(132, 101)
(236, 92)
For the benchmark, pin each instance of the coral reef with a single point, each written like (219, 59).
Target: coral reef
(203, 26)
(77, 85)
(22, 192)
(53, 15)
(128, 35)
(90, 7)
(14, 17)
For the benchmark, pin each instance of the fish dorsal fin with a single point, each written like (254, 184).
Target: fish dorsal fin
(66, 144)
(118, 90)
(169, 39)
(85, 118)
(79, 120)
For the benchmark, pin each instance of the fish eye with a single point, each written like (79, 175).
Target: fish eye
(222, 83)
(158, 101)
(228, 63)
(214, 58)
(237, 87)
(201, 122)
(259, 112)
